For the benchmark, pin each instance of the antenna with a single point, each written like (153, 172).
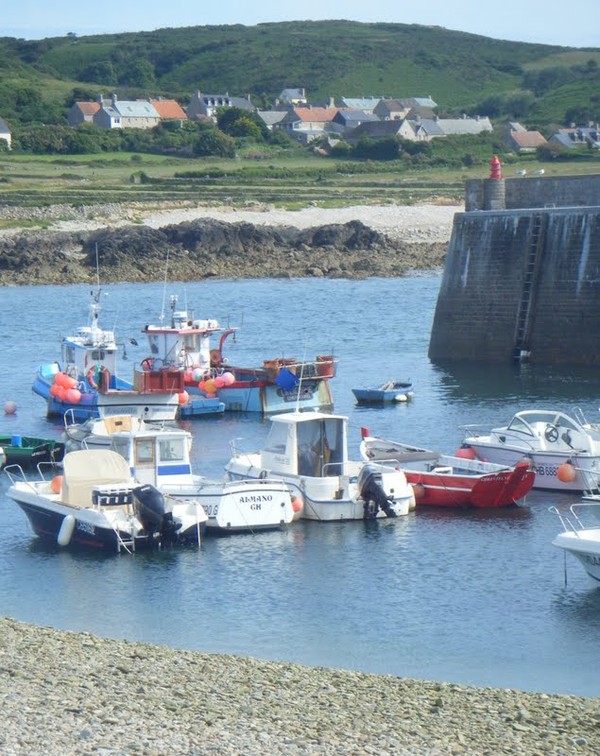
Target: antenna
(300, 380)
(162, 311)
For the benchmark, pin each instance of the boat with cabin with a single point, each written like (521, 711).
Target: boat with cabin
(87, 365)
(564, 451)
(96, 505)
(161, 457)
(275, 386)
(309, 451)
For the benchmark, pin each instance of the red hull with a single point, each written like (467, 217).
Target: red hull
(488, 491)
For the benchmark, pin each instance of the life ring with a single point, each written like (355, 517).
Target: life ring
(103, 373)
(215, 358)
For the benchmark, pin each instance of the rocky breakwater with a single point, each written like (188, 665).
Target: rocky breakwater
(72, 693)
(210, 248)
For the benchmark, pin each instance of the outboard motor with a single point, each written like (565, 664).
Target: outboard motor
(370, 485)
(149, 507)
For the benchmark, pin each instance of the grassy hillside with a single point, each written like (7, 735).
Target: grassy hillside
(329, 58)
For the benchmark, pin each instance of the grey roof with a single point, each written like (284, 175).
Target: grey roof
(360, 103)
(377, 129)
(353, 117)
(452, 126)
(430, 126)
(135, 109)
(3, 127)
(271, 117)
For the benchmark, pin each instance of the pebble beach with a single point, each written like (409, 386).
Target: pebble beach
(66, 693)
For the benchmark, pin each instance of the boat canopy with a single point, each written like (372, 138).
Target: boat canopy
(85, 469)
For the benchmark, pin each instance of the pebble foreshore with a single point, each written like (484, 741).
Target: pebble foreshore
(66, 693)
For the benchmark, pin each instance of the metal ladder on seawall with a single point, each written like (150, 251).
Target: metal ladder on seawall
(530, 283)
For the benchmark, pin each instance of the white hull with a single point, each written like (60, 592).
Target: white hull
(246, 505)
(545, 464)
(325, 499)
(584, 545)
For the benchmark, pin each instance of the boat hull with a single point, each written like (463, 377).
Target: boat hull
(239, 506)
(268, 399)
(377, 396)
(546, 466)
(84, 409)
(585, 547)
(24, 451)
(491, 491)
(46, 523)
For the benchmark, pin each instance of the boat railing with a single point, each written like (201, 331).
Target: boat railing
(570, 520)
(475, 430)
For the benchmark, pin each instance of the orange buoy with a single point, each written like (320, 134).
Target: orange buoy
(566, 473)
(10, 408)
(183, 397)
(56, 483)
(466, 452)
(297, 504)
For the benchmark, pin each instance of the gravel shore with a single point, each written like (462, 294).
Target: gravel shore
(68, 693)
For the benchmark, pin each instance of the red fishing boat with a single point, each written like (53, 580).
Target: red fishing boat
(443, 480)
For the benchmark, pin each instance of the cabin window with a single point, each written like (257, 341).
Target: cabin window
(153, 341)
(69, 354)
(121, 446)
(277, 440)
(144, 451)
(320, 448)
(171, 450)
(98, 355)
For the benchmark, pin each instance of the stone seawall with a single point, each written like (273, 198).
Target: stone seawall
(521, 285)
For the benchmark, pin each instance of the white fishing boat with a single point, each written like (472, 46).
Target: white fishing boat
(161, 458)
(96, 505)
(564, 451)
(309, 451)
(581, 540)
(87, 365)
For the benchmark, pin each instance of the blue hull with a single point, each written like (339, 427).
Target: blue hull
(270, 399)
(86, 408)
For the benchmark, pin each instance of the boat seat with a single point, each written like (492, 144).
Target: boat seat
(442, 470)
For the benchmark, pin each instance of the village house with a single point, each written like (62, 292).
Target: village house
(271, 118)
(389, 109)
(577, 136)
(82, 112)
(169, 110)
(348, 119)
(306, 124)
(382, 130)
(5, 133)
(206, 105)
(518, 138)
(125, 114)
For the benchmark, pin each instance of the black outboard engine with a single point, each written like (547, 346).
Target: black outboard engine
(149, 507)
(370, 484)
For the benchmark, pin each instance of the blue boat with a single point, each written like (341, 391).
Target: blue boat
(88, 365)
(389, 392)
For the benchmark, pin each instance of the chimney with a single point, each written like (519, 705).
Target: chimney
(114, 98)
(330, 102)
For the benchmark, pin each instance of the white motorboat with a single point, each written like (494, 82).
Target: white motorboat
(96, 504)
(579, 540)
(309, 451)
(161, 458)
(564, 451)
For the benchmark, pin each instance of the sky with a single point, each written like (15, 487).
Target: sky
(543, 21)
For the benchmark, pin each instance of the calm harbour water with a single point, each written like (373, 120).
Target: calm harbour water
(471, 597)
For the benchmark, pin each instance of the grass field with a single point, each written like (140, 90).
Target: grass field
(32, 181)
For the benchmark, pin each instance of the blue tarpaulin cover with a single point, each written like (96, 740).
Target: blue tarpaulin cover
(286, 380)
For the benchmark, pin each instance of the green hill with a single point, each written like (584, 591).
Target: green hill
(461, 72)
